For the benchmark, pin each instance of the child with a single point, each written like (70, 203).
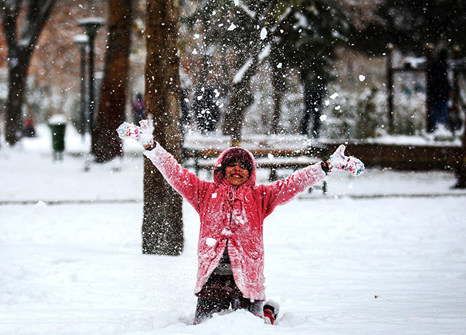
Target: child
(232, 210)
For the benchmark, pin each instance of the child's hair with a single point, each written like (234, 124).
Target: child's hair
(235, 155)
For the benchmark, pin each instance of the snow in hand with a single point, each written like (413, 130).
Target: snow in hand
(346, 263)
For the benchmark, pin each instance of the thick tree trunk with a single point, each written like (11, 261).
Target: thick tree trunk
(106, 144)
(162, 228)
(17, 81)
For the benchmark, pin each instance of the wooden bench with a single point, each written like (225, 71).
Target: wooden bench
(271, 159)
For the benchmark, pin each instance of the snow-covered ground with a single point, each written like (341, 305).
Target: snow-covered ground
(384, 253)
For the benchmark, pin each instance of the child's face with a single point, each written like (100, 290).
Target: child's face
(236, 173)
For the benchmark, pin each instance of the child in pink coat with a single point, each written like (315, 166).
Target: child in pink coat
(232, 209)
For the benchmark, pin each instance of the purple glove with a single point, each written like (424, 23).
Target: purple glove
(140, 134)
(341, 162)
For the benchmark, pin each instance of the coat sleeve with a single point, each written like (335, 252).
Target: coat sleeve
(284, 190)
(186, 183)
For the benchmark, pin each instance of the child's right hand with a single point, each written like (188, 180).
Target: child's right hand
(140, 134)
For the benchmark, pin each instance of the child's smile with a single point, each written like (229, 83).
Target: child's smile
(236, 174)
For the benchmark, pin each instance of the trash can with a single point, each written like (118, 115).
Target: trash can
(57, 125)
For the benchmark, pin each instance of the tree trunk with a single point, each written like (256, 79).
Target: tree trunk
(17, 84)
(234, 118)
(106, 144)
(460, 168)
(239, 102)
(162, 228)
(278, 85)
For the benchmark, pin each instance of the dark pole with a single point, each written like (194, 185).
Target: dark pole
(390, 88)
(82, 41)
(83, 90)
(91, 83)
(90, 26)
(456, 79)
(429, 51)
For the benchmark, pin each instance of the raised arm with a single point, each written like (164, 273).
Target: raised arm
(182, 180)
(282, 191)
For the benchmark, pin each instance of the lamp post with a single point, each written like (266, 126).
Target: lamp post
(390, 87)
(90, 27)
(82, 41)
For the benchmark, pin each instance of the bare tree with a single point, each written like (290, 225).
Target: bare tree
(21, 41)
(162, 229)
(106, 145)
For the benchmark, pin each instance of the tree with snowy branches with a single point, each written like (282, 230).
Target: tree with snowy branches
(288, 34)
(411, 25)
(22, 35)
(306, 39)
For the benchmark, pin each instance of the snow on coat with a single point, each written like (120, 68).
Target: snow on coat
(234, 215)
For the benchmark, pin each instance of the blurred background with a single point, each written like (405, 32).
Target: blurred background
(341, 57)
(386, 76)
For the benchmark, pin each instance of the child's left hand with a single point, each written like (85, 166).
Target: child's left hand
(341, 162)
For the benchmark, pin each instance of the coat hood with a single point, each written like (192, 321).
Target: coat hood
(239, 154)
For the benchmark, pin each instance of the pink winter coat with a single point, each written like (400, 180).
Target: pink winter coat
(233, 214)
